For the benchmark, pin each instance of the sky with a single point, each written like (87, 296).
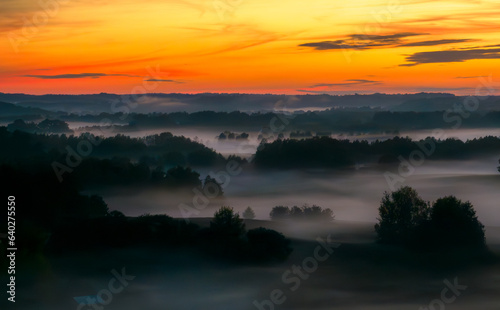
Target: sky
(248, 46)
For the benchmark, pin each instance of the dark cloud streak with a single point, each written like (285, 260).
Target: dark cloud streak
(435, 42)
(348, 83)
(75, 76)
(362, 41)
(162, 80)
(451, 56)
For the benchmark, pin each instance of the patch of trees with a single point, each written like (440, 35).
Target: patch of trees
(228, 135)
(449, 223)
(35, 152)
(345, 120)
(225, 238)
(46, 126)
(57, 215)
(120, 231)
(326, 152)
(308, 213)
(160, 149)
(120, 171)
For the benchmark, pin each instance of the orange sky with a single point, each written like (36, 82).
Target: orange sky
(250, 46)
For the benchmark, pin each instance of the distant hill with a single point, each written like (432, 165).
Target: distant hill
(9, 110)
(445, 103)
(169, 103)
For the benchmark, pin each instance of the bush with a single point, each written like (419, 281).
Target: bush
(267, 245)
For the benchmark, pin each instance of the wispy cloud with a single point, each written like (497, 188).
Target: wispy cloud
(469, 77)
(162, 80)
(362, 41)
(348, 83)
(435, 42)
(459, 55)
(75, 76)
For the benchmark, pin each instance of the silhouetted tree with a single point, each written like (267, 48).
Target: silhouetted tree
(227, 222)
(327, 215)
(280, 213)
(249, 214)
(400, 213)
(453, 224)
(95, 205)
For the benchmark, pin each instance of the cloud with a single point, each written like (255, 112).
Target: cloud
(435, 42)
(459, 55)
(348, 83)
(469, 77)
(387, 39)
(162, 80)
(75, 76)
(332, 45)
(362, 41)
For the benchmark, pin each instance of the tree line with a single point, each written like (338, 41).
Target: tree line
(327, 152)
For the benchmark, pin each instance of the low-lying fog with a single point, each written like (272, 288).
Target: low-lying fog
(351, 278)
(208, 136)
(352, 195)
